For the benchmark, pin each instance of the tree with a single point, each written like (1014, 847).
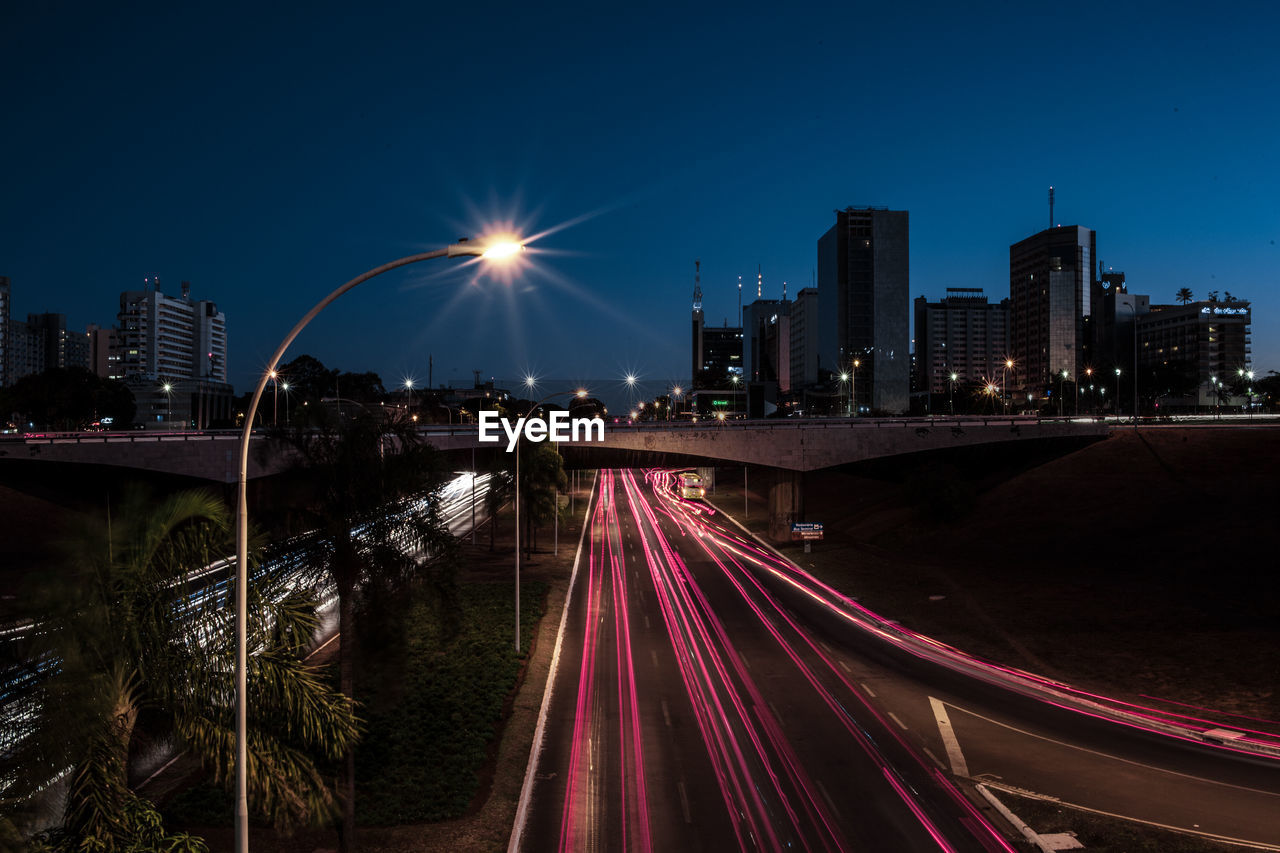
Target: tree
(1184, 295)
(373, 506)
(68, 398)
(138, 634)
(541, 478)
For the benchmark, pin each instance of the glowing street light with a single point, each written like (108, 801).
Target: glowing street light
(408, 390)
(1004, 382)
(285, 386)
(168, 403)
(275, 398)
(951, 391)
(497, 250)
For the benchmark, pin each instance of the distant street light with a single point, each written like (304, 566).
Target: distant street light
(408, 388)
(951, 392)
(1062, 384)
(494, 250)
(1004, 382)
(853, 387)
(285, 385)
(168, 404)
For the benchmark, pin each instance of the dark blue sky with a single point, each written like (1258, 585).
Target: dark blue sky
(268, 155)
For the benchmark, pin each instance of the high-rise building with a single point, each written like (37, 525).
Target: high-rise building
(41, 343)
(963, 334)
(162, 337)
(1210, 341)
(766, 344)
(172, 352)
(103, 358)
(1050, 289)
(716, 350)
(4, 330)
(864, 303)
(806, 328)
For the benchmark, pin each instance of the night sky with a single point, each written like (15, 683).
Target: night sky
(267, 156)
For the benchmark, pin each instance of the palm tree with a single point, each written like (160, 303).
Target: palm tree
(138, 634)
(374, 512)
(1184, 295)
(542, 477)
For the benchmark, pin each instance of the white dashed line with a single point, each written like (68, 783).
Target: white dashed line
(901, 724)
(870, 692)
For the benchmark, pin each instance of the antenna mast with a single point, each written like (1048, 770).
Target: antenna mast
(697, 285)
(1050, 207)
(759, 283)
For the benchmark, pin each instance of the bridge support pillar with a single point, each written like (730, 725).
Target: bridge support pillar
(786, 503)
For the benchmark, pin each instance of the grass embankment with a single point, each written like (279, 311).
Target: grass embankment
(1140, 565)
(1102, 834)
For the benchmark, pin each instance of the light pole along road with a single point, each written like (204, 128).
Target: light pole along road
(710, 695)
(493, 250)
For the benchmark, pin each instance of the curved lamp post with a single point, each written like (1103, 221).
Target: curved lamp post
(494, 251)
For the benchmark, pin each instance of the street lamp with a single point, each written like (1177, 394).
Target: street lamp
(408, 389)
(735, 379)
(168, 404)
(675, 394)
(495, 250)
(844, 377)
(1088, 371)
(275, 397)
(1117, 403)
(853, 387)
(1062, 384)
(580, 393)
(1004, 382)
(285, 385)
(1247, 374)
(951, 392)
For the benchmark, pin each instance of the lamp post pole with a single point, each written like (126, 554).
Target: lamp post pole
(462, 248)
(532, 409)
(951, 392)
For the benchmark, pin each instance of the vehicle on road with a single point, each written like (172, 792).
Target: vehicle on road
(690, 484)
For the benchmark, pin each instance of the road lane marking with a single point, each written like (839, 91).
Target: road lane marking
(653, 653)
(684, 802)
(870, 692)
(936, 760)
(646, 622)
(958, 765)
(845, 667)
(1256, 845)
(1116, 757)
(666, 713)
(901, 724)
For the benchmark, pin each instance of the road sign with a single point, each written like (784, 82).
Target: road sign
(806, 531)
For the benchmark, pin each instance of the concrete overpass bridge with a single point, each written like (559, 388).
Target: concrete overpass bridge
(787, 448)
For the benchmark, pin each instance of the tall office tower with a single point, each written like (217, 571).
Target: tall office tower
(863, 287)
(806, 329)
(102, 352)
(766, 344)
(164, 338)
(962, 334)
(172, 352)
(4, 330)
(1051, 288)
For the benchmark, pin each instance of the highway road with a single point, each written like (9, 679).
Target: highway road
(709, 695)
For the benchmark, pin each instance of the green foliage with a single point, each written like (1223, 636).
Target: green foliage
(129, 636)
(67, 399)
(434, 715)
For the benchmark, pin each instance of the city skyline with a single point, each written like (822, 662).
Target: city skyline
(144, 152)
